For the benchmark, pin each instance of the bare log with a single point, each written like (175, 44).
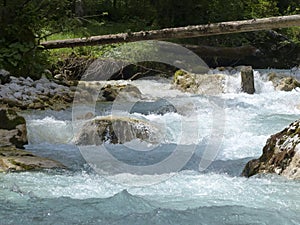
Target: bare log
(181, 32)
(224, 52)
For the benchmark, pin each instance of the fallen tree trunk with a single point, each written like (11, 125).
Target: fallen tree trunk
(181, 32)
(224, 52)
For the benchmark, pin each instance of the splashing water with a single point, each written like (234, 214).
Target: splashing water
(217, 195)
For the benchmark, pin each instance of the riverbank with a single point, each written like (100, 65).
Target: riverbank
(25, 93)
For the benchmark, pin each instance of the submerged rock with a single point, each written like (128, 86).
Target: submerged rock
(160, 107)
(116, 130)
(210, 84)
(282, 82)
(12, 128)
(281, 155)
(13, 159)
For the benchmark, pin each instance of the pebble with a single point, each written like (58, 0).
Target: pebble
(18, 95)
(29, 79)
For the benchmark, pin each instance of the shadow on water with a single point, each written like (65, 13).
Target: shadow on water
(71, 157)
(125, 208)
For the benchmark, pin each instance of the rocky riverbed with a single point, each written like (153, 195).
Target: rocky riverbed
(13, 136)
(18, 94)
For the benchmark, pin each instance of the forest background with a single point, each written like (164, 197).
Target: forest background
(24, 24)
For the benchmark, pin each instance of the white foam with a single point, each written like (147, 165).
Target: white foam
(183, 190)
(49, 130)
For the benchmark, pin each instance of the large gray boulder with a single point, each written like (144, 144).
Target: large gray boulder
(281, 155)
(13, 159)
(116, 130)
(12, 128)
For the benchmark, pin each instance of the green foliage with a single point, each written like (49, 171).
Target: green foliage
(23, 24)
(234, 10)
(262, 8)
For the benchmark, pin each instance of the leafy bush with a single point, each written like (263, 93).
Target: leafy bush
(23, 24)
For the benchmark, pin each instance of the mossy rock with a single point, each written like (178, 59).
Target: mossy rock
(208, 84)
(13, 159)
(282, 82)
(117, 130)
(112, 91)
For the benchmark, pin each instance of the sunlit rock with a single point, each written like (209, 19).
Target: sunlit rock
(282, 82)
(116, 130)
(13, 159)
(281, 154)
(210, 84)
(125, 92)
(106, 91)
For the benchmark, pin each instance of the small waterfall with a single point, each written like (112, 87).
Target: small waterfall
(49, 130)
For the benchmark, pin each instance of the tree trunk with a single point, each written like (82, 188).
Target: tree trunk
(224, 52)
(181, 32)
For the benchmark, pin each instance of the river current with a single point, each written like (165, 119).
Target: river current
(216, 194)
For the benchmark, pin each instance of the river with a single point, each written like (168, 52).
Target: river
(213, 195)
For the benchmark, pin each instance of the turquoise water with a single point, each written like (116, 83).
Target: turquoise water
(215, 195)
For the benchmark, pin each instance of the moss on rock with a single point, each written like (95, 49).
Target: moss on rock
(208, 84)
(117, 130)
(13, 159)
(282, 82)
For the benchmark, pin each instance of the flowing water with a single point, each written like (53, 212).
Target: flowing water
(213, 195)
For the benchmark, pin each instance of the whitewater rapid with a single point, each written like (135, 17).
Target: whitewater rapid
(216, 195)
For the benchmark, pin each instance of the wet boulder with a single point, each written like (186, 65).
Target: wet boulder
(12, 128)
(13, 159)
(106, 91)
(281, 155)
(209, 84)
(116, 130)
(123, 91)
(282, 82)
